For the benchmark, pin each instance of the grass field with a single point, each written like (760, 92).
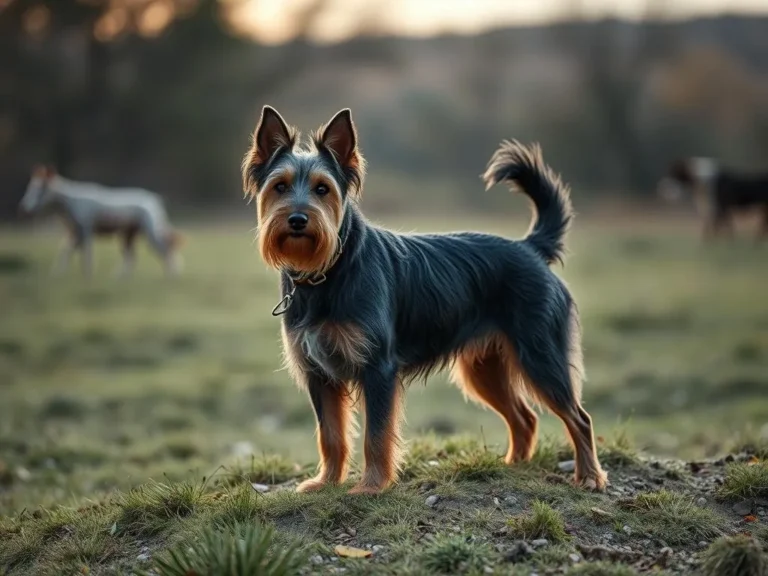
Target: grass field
(108, 385)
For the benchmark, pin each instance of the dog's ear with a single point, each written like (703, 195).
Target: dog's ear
(339, 136)
(271, 133)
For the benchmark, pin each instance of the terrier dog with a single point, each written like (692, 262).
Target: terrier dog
(91, 210)
(719, 193)
(366, 310)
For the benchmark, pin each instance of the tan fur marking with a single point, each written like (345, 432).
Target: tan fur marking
(348, 340)
(489, 373)
(333, 438)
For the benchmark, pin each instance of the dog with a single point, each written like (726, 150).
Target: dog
(91, 210)
(718, 193)
(366, 310)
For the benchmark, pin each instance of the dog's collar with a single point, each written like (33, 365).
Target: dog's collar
(311, 279)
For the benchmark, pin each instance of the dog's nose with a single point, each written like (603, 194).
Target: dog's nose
(298, 221)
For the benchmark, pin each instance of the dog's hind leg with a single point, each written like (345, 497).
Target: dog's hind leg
(553, 368)
(493, 378)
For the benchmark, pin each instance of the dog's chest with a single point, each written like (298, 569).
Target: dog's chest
(339, 349)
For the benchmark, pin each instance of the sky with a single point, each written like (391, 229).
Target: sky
(270, 20)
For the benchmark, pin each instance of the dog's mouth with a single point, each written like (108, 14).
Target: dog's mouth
(297, 234)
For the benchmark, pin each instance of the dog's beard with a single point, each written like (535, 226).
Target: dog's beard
(311, 251)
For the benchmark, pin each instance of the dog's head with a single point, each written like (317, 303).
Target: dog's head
(686, 175)
(302, 192)
(35, 196)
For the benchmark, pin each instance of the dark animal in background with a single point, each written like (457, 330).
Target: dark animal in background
(366, 310)
(719, 193)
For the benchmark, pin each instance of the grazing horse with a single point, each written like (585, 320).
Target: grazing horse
(91, 210)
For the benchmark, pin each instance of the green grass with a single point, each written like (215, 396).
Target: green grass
(137, 413)
(238, 551)
(746, 481)
(735, 556)
(456, 555)
(673, 517)
(541, 522)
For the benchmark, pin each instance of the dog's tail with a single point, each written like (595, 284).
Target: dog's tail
(523, 168)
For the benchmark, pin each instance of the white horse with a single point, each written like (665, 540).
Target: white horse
(90, 210)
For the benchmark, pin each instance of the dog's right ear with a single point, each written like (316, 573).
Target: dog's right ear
(271, 134)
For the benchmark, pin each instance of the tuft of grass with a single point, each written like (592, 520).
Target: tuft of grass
(734, 556)
(455, 555)
(672, 517)
(618, 449)
(265, 469)
(241, 505)
(542, 521)
(150, 508)
(745, 481)
(602, 569)
(239, 551)
(475, 466)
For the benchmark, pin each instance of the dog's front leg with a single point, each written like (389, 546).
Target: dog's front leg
(332, 404)
(382, 398)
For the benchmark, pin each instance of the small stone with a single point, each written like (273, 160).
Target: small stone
(260, 488)
(666, 551)
(761, 511)
(627, 530)
(433, 463)
(511, 499)
(352, 532)
(743, 508)
(519, 551)
(600, 512)
(539, 543)
(496, 502)
(377, 548)
(567, 466)
(316, 559)
(488, 570)
(701, 501)
(334, 559)
(145, 549)
(574, 558)
(23, 474)
(639, 484)
(703, 544)
(432, 501)
(142, 557)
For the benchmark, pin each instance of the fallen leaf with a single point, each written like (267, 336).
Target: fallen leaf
(350, 552)
(753, 460)
(750, 518)
(600, 439)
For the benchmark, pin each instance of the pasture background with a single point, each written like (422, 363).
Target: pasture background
(108, 384)
(111, 384)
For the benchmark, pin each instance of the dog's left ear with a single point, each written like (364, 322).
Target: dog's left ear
(339, 136)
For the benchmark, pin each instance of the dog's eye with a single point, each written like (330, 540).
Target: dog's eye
(321, 189)
(280, 187)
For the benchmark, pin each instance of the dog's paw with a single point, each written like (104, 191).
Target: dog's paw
(594, 481)
(311, 485)
(364, 489)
